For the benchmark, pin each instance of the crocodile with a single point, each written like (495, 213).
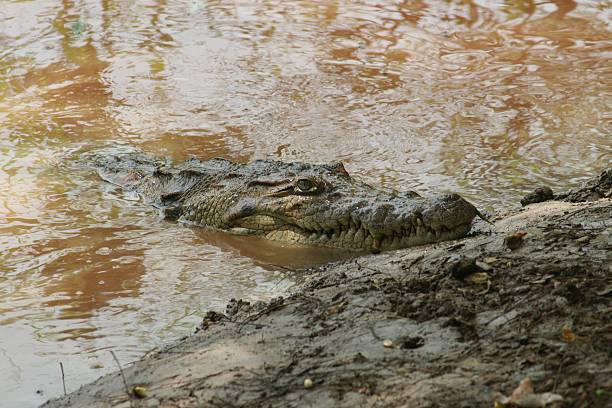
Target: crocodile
(294, 203)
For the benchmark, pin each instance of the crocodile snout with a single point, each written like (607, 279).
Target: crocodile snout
(448, 211)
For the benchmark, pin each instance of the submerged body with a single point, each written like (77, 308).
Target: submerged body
(297, 203)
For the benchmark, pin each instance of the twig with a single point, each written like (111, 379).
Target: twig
(414, 261)
(484, 292)
(558, 374)
(369, 268)
(63, 379)
(127, 390)
(284, 268)
(283, 278)
(267, 310)
(374, 334)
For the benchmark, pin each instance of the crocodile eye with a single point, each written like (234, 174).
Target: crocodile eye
(305, 186)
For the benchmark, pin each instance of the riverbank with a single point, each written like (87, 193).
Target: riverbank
(449, 325)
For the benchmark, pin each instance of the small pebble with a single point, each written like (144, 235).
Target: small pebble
(308, 383)
(140, 392)
(388, 343)
(514, 241)
(538, 195)
(483, 265)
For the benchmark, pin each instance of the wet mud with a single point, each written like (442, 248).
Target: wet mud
(454, 324)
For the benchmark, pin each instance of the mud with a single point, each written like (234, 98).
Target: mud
(446, 325)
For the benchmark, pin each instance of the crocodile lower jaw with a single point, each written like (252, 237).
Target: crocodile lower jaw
(352, 239)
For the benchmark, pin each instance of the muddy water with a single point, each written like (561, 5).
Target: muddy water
(485, 98)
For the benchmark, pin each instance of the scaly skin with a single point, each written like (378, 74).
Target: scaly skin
(296, 203)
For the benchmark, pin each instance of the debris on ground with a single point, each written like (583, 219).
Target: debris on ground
(524, 397)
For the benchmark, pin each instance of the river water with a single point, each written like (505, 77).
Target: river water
(486, 98)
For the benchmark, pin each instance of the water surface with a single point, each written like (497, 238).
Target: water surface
(485, 98)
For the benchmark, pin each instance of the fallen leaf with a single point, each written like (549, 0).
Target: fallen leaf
(336, 308)
(484, 265)
(478, 278)
(568, 335)
(524, 397)
(514, 241)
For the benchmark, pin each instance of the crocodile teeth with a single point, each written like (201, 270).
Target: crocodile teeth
(359, 235)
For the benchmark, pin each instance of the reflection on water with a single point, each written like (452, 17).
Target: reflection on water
(485, 98)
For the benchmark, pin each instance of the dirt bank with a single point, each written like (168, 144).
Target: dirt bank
(448, 325)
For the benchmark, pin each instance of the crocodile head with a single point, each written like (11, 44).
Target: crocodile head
(321, 205)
